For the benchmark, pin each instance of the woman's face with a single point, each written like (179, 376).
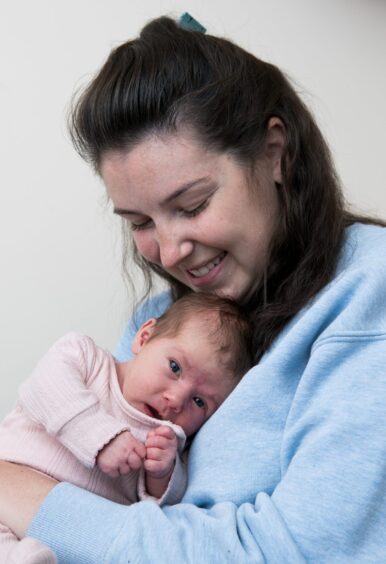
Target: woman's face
(192, 212)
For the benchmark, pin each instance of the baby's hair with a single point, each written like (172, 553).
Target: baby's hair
(228, 326)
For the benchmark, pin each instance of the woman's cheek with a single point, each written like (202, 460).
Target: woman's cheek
(147, 246)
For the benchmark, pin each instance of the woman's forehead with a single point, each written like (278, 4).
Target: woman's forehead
(158, 150)
(159, 166)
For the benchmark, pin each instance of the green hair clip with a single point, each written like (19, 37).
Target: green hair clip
(187, 22)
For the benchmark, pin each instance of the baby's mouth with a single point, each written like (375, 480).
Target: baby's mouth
(204, 270)
(152, 411)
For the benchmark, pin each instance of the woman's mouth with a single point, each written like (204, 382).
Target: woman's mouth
(204, 270)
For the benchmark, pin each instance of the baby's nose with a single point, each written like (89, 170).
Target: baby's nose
(177, 401)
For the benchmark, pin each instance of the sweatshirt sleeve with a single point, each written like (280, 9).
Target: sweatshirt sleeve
(327, 507)
(103, 531)
(57, 396)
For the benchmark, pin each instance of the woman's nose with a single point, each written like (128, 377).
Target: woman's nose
(174, 247)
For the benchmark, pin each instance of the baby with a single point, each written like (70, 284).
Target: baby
(119, 429)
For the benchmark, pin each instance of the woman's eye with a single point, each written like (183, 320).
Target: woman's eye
(175, 367)
(199, 402)
(198, 209)
(139, 226)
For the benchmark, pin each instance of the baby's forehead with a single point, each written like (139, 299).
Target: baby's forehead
(207, 322)
(205, 326)
(213, 340)
(211, 332)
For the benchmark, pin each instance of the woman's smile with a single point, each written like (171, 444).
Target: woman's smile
(201, 271)
(208, 273)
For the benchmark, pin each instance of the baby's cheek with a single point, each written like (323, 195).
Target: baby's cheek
(196, 422)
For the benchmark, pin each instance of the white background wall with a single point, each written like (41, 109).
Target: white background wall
(60, 256)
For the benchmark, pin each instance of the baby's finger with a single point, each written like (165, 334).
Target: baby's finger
(161, 442)
(123, 468)
(134, 461)
(164, 431)
(112, 473)
(160, 454)
(153, 466)
(155, 454)
(140, 449)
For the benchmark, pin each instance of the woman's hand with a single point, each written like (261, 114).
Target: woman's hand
(22, 490)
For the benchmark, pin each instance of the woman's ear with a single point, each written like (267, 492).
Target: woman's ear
(274, 146)
(143, 334)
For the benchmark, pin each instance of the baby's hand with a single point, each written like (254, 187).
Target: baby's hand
(122, 454)
(161, 450)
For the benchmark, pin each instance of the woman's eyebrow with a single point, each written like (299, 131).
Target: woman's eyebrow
(184, 188)
(122, 211)
(173, 196)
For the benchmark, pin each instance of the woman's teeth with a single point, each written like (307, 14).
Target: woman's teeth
(197, 272)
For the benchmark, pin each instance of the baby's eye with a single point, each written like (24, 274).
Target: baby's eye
(199, 402)
(175, 367)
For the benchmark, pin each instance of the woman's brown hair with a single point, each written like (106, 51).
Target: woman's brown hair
(169, 77)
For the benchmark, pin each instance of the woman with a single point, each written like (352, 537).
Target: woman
(227, 186)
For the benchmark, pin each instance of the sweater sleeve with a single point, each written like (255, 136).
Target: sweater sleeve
(176, 487)
(327, 506)
(57, 396)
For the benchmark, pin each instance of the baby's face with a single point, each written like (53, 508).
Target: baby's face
(178, 379)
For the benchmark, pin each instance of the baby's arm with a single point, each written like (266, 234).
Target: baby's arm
(161, 450)
(58, 396)
(123, 454)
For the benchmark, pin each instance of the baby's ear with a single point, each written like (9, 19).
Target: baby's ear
(143, 335)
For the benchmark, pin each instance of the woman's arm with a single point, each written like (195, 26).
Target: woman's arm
(81, 526)
(22, 490)
(328, 505)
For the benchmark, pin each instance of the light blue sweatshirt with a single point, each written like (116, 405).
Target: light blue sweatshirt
(291, 468)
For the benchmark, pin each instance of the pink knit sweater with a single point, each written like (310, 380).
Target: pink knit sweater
(69, 408)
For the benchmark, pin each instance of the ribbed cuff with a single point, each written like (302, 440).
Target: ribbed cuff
(78, 526)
